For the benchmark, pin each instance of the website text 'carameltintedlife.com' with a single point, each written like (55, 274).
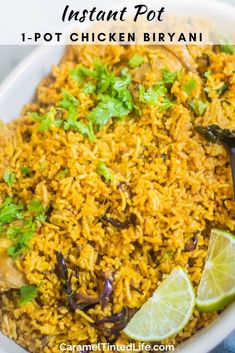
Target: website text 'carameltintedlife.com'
(104, 347)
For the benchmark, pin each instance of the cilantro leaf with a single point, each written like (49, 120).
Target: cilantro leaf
(69, 101)
(79, 73)
(168, 76)
(62, 173)
(9, 211)
(89, 88)
(27, 294)
(9, 178)
(189, 86)
(152, 94)
(104, 171)
(86, 130)
(36, 209)
(207, 74)
(24, 170)
(21, 236)
(45, 121)
(222, 89)
(227, 48)
(199, 107)
(136, 61)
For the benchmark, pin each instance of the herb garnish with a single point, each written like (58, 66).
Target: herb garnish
(168, 76)
(24, 170)
(155, 95)
(199, 107)
(227, 48)
(189, 86)
(9, 178)
(9, 211)
(27, 294)
(104, 171)
(136, 61)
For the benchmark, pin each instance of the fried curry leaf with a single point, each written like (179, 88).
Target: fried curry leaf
(136, 61)
(9, 178)
(189, 86)
(27, 294)
(214, 133)
(104, 171)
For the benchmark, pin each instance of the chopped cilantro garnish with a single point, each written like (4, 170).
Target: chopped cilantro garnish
(68, 101)
(89, 88)
(117, 103)
(207, 74)
(189, 86)
(36, 209)
(114, 99)
(79, 73)
(136, 61)
(168, 76)
(24, 170)
(62, 173)
(45, 121)
(227, 48)
(9, 211)
(21, 236)
(222, 89)
(27, 294)
(156, 95)
(150, 95)
(9, 178)
(104, 171)
(199, 107)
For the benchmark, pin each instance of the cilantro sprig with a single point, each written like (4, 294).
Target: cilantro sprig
(27, 294)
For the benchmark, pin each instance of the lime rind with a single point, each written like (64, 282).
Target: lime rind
(167, 312)
(217, 286)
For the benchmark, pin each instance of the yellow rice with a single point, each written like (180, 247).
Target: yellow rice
(173, 199)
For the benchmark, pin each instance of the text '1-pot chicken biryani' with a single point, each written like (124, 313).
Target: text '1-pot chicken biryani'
(115, 191)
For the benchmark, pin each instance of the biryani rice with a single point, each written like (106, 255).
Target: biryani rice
(173, 198)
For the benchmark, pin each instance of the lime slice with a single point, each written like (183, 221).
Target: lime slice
(217, 286)
(166, 312)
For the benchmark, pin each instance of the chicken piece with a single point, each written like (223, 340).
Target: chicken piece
(175, 58)
(10, 276)
(182, 54)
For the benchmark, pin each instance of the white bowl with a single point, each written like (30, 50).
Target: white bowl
(19, 89)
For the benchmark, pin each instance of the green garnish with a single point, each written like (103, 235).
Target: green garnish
(114, 99)
(27, 294)
(136, 61)
(24, 170)
(222, 89)
(21, 237)
(227, 48)
(168, 76)
(69, 101)
(155, 95)
(189, 86)
(9, 178)
(104, 171)
(36, 209)
(199, 107)
(62, 173)
(9, 211)
(89, 88)
(45, 121)
(207, 74)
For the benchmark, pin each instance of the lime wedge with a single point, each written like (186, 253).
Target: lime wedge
(166, 312)
(217, 285)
